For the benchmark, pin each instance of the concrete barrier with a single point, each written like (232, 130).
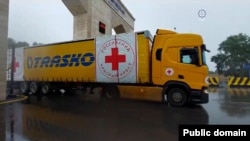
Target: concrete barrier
(213, 81)
(238, 82)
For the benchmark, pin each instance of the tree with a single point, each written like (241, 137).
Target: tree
(234, 52)
(13, 43)
(22, 44)
(36, 44)
(16, 44)
(219, 59)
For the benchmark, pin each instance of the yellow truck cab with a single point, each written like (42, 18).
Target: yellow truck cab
(179, 66)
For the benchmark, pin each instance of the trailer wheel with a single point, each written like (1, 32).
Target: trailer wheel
(177, 97)
(24, 87)
(34, 87)
(45, 88)
(111, 92)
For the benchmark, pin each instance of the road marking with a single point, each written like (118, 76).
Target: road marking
(13, 100)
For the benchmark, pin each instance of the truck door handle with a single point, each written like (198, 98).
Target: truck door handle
(180, 76)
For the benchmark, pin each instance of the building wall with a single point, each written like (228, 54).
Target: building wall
(4, 12)
(88, 13)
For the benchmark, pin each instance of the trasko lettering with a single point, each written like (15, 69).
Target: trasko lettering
(67, 60)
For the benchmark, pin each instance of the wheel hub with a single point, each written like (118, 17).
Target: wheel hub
(177, 97)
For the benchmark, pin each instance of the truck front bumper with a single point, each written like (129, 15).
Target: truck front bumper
(199, 97)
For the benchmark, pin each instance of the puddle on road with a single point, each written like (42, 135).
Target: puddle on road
(78, 118)
(232, 94)
(229, 106)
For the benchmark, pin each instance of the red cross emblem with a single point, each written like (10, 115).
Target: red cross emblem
(16, 64)
(115, 59)
(169, 71)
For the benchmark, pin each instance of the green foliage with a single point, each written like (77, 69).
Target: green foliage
(36, 44)
(13, 43)
(16, 44)
(234, 52)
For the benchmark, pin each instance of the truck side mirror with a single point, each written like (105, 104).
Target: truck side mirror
(203, 46)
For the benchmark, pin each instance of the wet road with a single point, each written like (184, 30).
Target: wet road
(88, 117)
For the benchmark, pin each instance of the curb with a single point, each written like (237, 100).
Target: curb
(13, 98)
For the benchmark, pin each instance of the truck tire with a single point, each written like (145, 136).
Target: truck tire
(177, 97)
(24, 87)
(111, 92)
(45, 88)
(34, 87)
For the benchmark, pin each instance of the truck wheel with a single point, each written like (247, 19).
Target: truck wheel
(24, 87)
(34, 87)
(45, 88)
(177, 97)
(111, 92)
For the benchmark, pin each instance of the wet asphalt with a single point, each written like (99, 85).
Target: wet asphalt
(85, 117)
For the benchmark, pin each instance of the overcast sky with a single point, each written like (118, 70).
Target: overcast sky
(48, 21)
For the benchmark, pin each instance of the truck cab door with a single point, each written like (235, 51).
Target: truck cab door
(164, 65)
(189, 69)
